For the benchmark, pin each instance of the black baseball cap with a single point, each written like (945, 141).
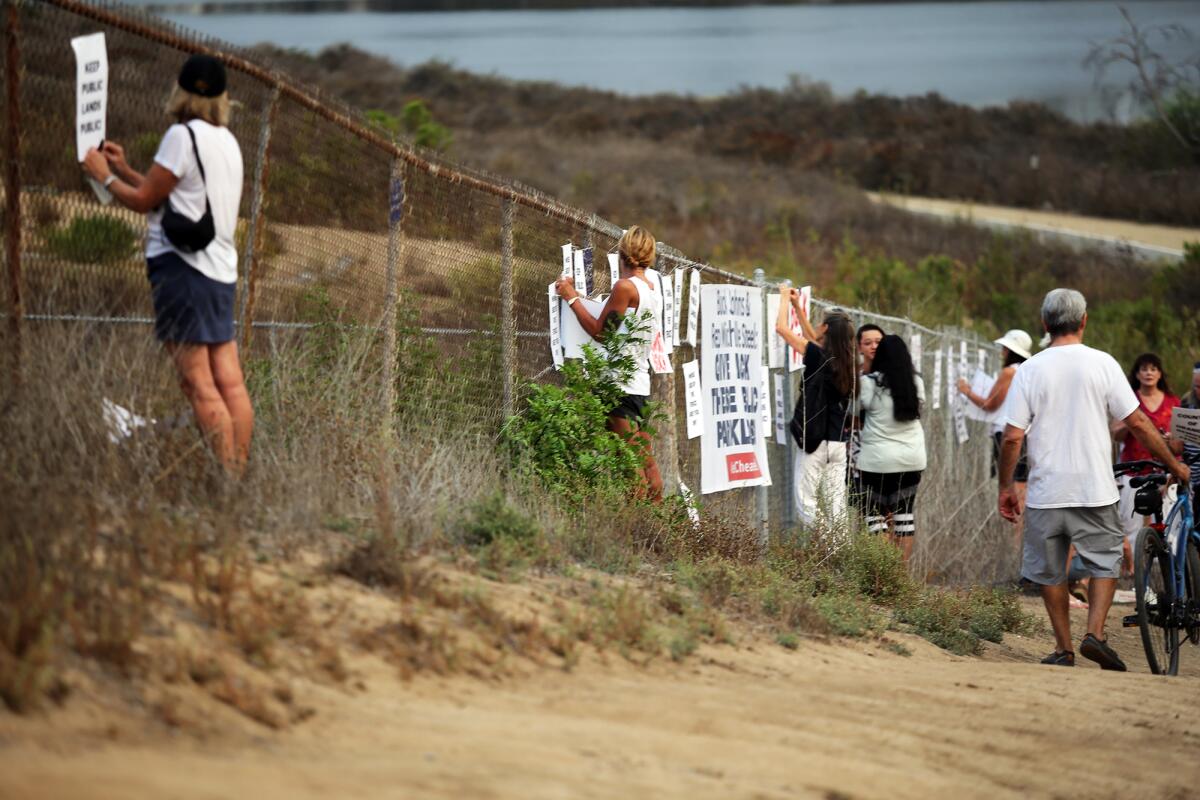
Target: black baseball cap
(203, 75)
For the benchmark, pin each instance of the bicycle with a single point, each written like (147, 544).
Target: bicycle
(1166, 569)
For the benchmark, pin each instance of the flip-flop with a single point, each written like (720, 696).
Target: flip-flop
(1076, 603)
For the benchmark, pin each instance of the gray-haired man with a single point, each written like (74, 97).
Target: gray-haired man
(1062, 399)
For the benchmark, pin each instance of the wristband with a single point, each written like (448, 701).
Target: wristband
(112, 176)
(571, 302)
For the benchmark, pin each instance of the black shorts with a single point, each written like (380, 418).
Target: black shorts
(189, 307)
(892, 494)
(1021, 473)
(631, 407)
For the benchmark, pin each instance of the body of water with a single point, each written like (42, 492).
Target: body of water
(978, 53)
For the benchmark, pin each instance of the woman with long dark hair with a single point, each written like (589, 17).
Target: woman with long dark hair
(893, 442)
(821, 420)
(191, 195)
(1148, 381)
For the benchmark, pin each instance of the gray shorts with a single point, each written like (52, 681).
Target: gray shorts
(1049, 533)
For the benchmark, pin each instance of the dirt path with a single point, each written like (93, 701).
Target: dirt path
(829, 720)
(1152, 239)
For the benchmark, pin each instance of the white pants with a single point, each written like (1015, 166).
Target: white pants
(1131, 523)
(820, 482)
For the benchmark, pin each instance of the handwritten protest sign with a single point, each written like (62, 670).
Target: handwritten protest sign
(796, 357)
(764, 394)
(937, 379)
(733, 447)
(781, 430)
(580, 271)
(568, 262)
(1185, 425)
(693, 399)
(556, 350)
(693, 310)
(614, 270)
(678, 306)
(914, 349)
(981, 385)
(776, 346)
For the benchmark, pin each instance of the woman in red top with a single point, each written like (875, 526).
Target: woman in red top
(1156, 401)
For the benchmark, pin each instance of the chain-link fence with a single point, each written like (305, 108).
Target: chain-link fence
(449, 267)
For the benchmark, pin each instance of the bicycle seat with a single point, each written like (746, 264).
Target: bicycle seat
(1147, 480)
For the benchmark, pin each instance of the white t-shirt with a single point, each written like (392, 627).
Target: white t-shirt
(223, 169)
(1063, 399)
(887, 444)
(648, 300)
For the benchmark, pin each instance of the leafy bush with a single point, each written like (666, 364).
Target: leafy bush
(417, 121)
(562, 438)
(847, 614)
(874, 567)
(96, 239)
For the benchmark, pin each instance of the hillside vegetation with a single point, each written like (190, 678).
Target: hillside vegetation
(771, 178)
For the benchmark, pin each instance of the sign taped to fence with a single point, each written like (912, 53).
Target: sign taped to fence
(914, 349)
(91, 99)
(765, 401)
(568, 263)
(796, 357)
(572, 334)
(981, 385)
(614, 270)
(693, 310)
(951, 387)
(556, 350)
(693, 399)
(667, 322)
(776, 346)
(679, 276)
(733, 448)
(1185, 425)
(937, 379)
(781, 430)
(585, 281)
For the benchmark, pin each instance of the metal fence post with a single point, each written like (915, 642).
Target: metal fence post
(252, 249)
(395, 218)
(762, 493)
(788, 478)
(12, 179)
(508, 328)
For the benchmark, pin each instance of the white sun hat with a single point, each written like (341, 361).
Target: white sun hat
(1017, 341)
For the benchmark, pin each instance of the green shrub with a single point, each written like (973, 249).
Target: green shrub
(562, 438)
(846, 614)
(874, 567)
(493, 519)
(96, 239)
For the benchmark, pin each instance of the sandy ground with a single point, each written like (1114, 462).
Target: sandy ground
(1170, 240)
(828, 720)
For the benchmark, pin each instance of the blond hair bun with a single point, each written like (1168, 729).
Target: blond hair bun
(637, 247)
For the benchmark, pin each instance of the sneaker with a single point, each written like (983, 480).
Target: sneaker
(1099, 651)
(1056, 659)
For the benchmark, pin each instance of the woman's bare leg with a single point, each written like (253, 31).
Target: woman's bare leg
(212, 415)
(227, 374)
(652, 487)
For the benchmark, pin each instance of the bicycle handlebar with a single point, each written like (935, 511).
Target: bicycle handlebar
(1129, 466)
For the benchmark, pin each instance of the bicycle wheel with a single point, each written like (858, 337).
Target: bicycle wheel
(1155, 592)
(1193, 584)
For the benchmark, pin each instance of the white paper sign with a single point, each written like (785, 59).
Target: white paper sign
(91, 92)
(983, 359)
(662, 285)
(765, 404)
(694, 311)
(795, 357)
(689, 501)
(556, 350)
(568, 267)
(963, 365)
(776, 346)
(960, 423)
(614, 270)
(981, 385)
(572, 334)
(806, 301)
(951, 382)
(733, 447)
(914, 348)
(580, 273)
(679, 276)
(937, 379)
(1185, 426)
(781, 431)
(693, 399)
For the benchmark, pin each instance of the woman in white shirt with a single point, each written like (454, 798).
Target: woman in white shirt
(893, 443)
(191, 196)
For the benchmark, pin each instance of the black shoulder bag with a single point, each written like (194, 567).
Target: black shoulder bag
(188, 235)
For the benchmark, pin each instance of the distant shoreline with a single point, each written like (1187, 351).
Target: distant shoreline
(212, 7)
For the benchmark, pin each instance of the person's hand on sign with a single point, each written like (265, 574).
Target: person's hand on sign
(115, 154)
(96, 165)
(566, 288)
(964, 387)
